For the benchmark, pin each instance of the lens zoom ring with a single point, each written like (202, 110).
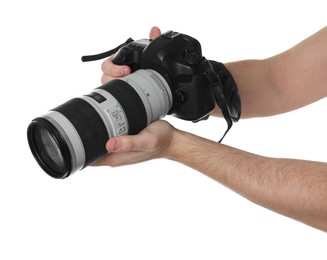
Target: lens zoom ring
(130, 102)
(89, 126)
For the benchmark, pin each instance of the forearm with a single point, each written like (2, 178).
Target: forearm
(287, 81)
(297, 189)
(258, 86)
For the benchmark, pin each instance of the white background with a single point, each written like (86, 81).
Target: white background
(158, 209)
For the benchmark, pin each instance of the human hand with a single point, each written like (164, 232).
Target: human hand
(152, 142)
(113, 71)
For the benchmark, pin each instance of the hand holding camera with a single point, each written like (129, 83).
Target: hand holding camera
(152, 142)
(169, 76)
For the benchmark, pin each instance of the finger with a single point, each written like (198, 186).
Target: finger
(120, 159)
(125, 150)
(105, 78)
(155, 32)
(130, 143)
(114, 70)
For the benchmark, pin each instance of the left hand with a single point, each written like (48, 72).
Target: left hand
(152, 142)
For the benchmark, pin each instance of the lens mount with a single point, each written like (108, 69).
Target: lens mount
(49, 148)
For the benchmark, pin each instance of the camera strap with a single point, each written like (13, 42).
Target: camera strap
(107, 53)
(217, 88)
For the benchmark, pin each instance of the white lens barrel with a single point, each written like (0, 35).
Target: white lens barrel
(154, 91)
(84, 125)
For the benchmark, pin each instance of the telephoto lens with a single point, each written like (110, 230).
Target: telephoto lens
(73, 135)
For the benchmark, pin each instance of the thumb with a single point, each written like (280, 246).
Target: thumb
(126, 143)
(155, 32)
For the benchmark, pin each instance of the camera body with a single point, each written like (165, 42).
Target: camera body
(169, 76)
(178, 58)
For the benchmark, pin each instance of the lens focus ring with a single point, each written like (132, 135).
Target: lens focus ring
(130, 101)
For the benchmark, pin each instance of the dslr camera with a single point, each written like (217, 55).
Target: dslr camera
(169, 76)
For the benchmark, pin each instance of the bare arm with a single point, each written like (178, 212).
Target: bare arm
(290, 80)
(295, 188)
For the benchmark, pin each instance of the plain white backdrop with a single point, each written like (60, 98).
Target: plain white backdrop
(158, 209)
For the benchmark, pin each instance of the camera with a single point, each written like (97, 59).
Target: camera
(169, 77)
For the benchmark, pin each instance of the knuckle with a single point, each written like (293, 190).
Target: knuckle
(129, 146)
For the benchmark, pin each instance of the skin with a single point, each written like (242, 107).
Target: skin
(278, 84)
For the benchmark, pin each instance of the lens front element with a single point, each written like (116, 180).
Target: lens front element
(49, 148)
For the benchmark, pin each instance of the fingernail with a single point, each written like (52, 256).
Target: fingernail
(113, 146)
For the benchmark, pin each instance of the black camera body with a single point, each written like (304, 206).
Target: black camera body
(178, 58)
(169, 76)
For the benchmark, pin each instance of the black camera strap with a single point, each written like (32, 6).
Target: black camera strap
(107, 53)
(217, 88)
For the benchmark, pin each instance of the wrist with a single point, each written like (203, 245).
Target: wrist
(183, 147)
(176, 144)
